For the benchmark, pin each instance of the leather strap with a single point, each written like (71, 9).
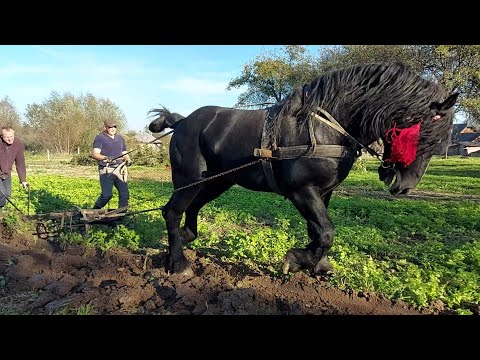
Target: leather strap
(269, 142)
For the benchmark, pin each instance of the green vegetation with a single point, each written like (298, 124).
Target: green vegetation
(416, 250)
(81, 310)
(84, 159)
(272, 75)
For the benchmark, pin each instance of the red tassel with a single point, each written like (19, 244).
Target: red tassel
(404, 144)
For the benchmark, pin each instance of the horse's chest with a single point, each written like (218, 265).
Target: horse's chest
(319, 172)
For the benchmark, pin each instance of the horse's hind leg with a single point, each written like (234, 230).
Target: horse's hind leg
(172, 214)
(208, 193)
(311, 205)
(326, 198)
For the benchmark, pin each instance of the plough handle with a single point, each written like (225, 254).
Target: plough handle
(10, 201)
(28, 204)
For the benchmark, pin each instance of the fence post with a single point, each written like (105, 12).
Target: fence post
(48, 155)
(78, 150)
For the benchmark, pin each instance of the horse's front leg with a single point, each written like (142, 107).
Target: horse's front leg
(311, 206)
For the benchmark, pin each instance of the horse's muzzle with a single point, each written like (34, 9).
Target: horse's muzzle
(395, 190)
(386, 175)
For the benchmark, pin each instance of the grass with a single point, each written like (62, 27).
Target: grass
(81, 310)
(420, 251)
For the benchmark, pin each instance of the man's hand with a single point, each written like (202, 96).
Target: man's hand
(127, 160)
(108, 159)
(25, 184)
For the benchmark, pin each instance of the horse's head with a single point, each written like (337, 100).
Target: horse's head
(408, 151)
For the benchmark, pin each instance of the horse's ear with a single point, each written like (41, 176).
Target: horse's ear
(447, 104)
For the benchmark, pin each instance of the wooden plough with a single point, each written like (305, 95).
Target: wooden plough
(80, 220)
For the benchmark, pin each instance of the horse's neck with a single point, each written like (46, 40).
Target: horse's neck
(363, 130)
(354, 129)
(292, 133)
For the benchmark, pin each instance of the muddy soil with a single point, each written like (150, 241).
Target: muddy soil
(40, 277)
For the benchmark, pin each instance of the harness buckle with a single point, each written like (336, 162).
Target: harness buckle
(263, 153)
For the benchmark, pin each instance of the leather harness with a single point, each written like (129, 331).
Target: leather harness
(270, 151)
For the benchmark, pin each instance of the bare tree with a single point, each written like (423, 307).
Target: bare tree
(9, 115)
(62, 123)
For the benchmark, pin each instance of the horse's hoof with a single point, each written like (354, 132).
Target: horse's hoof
(291, 263)
(186, 236)
(324, 267)
(183, 268)
(186, 273)
(296, 260)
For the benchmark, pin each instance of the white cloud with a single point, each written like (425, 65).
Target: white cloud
(11, 70)
(49, 51)
(196, 86)
(132, 81)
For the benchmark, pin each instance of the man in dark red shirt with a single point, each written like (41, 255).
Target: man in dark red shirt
(11, 151)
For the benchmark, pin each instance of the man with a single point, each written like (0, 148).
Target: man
(11, 151)
(108, 148)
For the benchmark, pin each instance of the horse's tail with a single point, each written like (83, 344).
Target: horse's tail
(163, 119)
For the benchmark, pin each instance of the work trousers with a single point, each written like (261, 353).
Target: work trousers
(107, 182)
(6, 189)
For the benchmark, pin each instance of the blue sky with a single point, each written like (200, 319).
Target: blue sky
(136, 78)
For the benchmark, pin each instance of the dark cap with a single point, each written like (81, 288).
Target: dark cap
(110, 122)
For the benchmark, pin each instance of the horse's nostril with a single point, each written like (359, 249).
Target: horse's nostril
(394, 191)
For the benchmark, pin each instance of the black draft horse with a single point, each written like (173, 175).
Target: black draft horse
(369, 101)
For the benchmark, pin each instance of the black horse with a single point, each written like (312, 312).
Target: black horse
(302, 158)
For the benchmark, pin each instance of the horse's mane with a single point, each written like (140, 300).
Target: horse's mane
(373, 97)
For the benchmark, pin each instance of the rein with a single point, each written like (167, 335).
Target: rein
(139, 147)
(293, 152)
(315, 150)
(329, 120)
(270, 151)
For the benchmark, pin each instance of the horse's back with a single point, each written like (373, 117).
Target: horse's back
(222, 114)
(219, 134)
(199, 119)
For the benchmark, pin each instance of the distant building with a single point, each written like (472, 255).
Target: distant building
(145, 138)
(456, 130)
(464, 141)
